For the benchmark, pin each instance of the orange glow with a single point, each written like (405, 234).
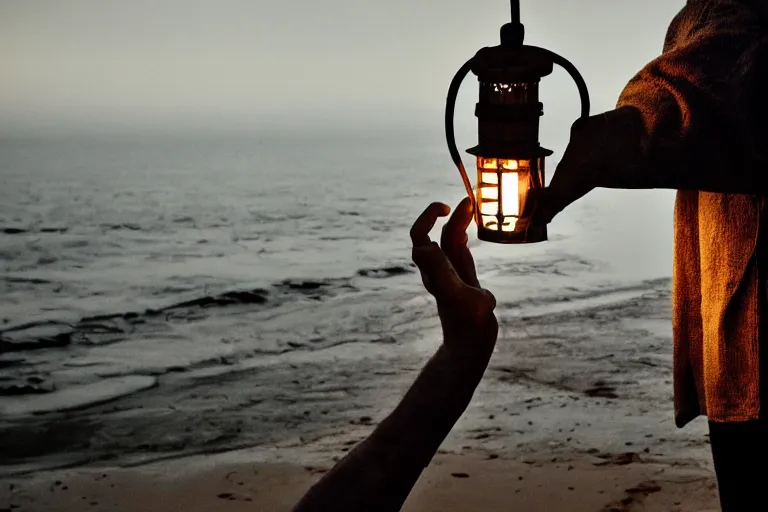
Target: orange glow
(498, 191)
(509, 165)
(489, 208)
(490, 223)
(488, 163)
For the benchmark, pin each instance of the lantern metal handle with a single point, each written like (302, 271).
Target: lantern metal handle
(453, 92)
(576, 76)
(450, 136)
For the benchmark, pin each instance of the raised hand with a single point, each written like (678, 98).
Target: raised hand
(448, 272)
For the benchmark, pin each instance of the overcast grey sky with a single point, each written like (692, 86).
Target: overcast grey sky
(273, 59)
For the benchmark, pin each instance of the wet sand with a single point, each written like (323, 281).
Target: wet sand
(469, 480)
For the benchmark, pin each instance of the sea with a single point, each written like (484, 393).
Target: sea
(165, 293)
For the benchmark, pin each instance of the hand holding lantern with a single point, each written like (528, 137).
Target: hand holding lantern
(510, 160)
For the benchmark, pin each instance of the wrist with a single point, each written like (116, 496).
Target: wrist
(465, 367)
(619, 147)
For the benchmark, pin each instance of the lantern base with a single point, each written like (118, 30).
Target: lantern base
(533, 235)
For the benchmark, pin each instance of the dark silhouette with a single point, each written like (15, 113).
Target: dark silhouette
(380, 472)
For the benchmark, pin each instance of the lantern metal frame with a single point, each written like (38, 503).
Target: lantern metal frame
(509, 131)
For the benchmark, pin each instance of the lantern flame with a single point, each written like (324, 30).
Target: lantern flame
(510, 199)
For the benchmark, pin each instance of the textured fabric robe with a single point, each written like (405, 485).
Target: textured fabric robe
(697, 119)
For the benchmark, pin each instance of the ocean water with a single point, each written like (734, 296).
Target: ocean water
(152, 280)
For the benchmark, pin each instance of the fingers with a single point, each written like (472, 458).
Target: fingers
(437, 273)
(448, 273)
(455, 230)
(426, 221)
(454, 242)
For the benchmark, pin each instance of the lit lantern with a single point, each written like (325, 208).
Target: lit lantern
(510, 160)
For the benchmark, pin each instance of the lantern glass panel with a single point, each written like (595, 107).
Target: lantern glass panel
(503, 186)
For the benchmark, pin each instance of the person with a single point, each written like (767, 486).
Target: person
(694, 120)
(379, 473)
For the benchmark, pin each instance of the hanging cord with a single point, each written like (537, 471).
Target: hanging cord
(515, 7)
(450, 137)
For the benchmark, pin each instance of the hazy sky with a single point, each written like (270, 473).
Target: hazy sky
(274, 59)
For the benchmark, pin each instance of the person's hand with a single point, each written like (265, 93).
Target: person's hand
(448, 272)
(575, 175)
(600, 148)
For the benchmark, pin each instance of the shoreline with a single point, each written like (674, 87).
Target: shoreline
(596, 372)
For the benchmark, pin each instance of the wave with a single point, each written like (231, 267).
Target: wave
(78, 397)
(113, 327)
(36, 335)
(130, 226)
(577, 303)
(24, 231)
(384, 272)
(24, 280)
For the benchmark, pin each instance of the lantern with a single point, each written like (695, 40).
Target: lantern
(509, 158)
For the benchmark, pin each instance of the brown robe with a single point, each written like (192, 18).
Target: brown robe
(699, 121)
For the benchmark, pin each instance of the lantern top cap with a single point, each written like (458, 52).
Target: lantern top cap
(512, 64)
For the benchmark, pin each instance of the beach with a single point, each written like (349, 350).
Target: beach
(168, 319)
(555, 425)
(464, 481)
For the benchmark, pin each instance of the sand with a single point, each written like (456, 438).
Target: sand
(468, 480)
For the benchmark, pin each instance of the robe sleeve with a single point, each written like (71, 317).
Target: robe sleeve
(695, 113)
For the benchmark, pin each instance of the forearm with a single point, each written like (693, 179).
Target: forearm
(627, 156)
(379, 473)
